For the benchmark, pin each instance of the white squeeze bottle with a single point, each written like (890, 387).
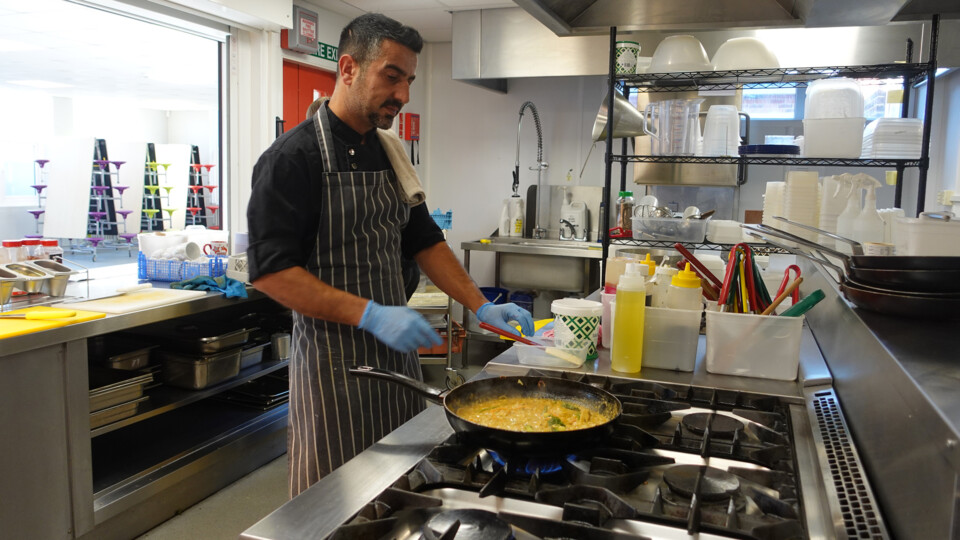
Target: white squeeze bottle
(657, 287)
(869, 226)
(685, 291)
(627, 352)
(850, 212)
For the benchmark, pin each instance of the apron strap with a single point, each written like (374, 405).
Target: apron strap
(325, 138)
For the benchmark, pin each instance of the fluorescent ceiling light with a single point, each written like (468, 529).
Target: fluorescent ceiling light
(35, 83)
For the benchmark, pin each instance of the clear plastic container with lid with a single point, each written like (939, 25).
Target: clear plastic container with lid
(684, 291)
(11, 251)
(625, 210)
(52, 249)
(32, 250)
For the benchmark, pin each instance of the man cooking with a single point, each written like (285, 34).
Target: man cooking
(330, 215)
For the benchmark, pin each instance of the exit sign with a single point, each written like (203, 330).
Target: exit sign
(327, 52)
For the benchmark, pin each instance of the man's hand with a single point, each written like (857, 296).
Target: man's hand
(398, 327)
(500, 315)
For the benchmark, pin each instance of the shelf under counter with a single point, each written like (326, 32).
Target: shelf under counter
(166, 398)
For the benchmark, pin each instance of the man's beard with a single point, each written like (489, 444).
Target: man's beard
(381, 120)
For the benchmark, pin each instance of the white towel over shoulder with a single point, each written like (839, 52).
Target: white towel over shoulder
(412, 189)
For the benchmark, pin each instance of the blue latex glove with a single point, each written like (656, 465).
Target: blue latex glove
(500, 315)
(398, 327)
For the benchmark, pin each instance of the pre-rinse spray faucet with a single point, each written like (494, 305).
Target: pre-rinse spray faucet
(538, 232)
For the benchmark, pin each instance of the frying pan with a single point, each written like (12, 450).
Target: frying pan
(877, 262)
(924, 305)
(514, 442)
(910, 276)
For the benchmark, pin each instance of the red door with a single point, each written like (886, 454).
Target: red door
(300, 86)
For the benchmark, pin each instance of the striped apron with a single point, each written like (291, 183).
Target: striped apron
(334, 415)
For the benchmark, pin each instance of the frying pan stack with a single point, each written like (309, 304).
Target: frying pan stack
(909, 286)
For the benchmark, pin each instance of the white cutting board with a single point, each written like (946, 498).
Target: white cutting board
(136, 301)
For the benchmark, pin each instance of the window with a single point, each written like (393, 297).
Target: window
(72, 71)
(881, 99)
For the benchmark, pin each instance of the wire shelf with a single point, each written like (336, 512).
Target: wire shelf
(760, 249)
(770, 160)
(766, 78)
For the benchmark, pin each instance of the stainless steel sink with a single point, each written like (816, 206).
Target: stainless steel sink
(555, 265)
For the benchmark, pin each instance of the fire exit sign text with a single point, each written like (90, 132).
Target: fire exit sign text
(327, 52)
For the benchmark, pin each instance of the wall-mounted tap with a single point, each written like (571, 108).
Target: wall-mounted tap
(573, 230)
(538, 232)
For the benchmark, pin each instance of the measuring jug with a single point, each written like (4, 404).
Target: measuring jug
(673, 126)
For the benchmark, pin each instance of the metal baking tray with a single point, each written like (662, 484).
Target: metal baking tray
(263, 393)
(198, 372)
(120, 353)
(204, 340)
(115, 413)
(252, 354)
(109, 387)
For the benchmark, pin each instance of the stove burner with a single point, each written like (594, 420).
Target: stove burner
(528, 465)
(715, 484)
(468, 525)
(720, 426)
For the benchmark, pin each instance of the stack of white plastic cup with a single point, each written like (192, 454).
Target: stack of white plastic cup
(801, 202)
(721, 131)
(773, 204)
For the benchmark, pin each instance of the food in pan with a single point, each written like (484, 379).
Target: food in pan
(532, 414)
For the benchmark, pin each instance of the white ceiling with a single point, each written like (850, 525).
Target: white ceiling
(64, 49)
(88, 52)
(430, 17)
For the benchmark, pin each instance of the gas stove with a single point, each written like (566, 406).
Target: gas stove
(683, 462)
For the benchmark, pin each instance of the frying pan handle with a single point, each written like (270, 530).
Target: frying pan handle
(425, 390)
(854, 245)
(795, 251)
(773, 231)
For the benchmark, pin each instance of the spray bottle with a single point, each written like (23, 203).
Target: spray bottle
(850, 212)
(627, 352)
(869, 226)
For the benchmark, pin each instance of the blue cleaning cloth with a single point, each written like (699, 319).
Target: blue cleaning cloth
(230, 287)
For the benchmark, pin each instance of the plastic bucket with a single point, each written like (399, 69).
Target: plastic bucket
(497, 295)
(523, 300)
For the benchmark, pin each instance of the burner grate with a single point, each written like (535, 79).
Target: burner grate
(859, 510)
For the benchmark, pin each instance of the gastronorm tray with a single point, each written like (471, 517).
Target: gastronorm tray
(196, 339)
(252, 354)
(120, 353)
(115, 413)
(109, 387)
(262, 393)
(198, 372)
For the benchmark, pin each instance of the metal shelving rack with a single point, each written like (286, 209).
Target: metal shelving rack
(909, 72)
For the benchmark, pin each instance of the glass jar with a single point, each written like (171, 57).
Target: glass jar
(52, 249)
(33, 249)
(625, 210)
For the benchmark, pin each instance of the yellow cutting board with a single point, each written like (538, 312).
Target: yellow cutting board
(135, 301)
(17, 327)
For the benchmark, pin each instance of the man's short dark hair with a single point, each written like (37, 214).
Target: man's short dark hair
(361, 38)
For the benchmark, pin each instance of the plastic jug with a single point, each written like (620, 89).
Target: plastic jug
(674, 126)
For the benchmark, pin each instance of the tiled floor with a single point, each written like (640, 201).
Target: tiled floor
(232, 510)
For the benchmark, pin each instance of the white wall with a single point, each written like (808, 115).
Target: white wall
(469, 141)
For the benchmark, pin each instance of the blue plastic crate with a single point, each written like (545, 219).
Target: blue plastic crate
(444, 219)
(170, 270)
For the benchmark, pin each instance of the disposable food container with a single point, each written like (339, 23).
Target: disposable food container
(198, 372)
(763, 346)
(672, 229)
(670, 338)
(549, 356)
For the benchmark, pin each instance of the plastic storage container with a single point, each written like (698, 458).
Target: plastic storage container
(833, 137)
(763, 346)
(672, 229)
(533, 355)
(670, 338)
(926, 237)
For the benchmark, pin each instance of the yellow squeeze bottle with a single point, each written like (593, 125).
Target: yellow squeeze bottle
(627, 352)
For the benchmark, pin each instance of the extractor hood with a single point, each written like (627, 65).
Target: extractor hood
(595, 17)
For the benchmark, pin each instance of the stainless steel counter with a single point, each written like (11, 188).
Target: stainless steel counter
(316, 512)
(557, 248)
(897, 380)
